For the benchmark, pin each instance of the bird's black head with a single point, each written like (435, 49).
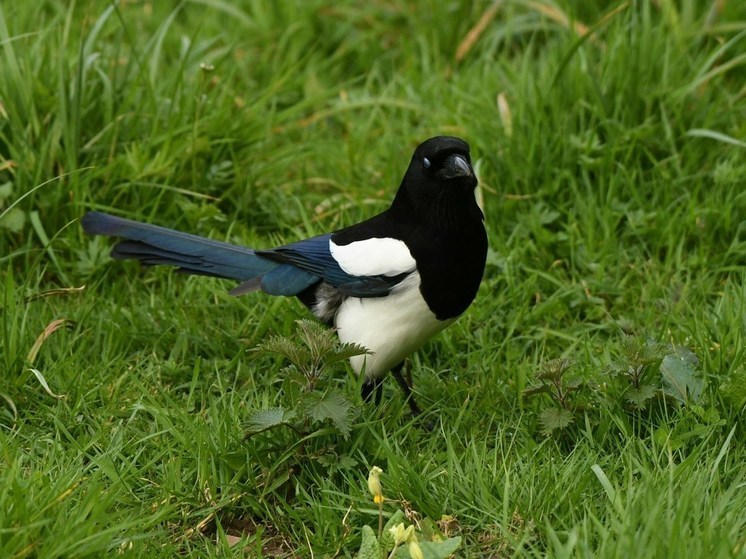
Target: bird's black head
(440, 178)
(442, 159)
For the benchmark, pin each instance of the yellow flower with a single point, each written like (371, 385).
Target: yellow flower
(414, 550)
(374, 484)
(401, 534)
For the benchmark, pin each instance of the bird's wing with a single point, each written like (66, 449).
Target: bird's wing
(365, 268)
(368, 268)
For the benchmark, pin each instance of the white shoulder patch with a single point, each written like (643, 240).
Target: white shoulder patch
(374, 257)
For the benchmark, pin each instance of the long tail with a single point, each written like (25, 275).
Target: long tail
(151, 245)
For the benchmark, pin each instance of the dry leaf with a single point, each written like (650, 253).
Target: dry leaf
(475, 32)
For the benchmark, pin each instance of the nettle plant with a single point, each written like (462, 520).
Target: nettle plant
(648, 369)
(311, 403)
(561, 390)
(639, 372)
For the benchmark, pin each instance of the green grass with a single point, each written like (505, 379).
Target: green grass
(615, 201)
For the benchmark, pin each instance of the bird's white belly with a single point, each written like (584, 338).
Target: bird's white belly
(391, 327)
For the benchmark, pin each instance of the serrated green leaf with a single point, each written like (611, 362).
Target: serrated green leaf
(261, 420)
(638, 396)
(319, 339)
(333, 406)
(324, 345)
(640, 351)
(573, 383)
(290, 350)
(552, 419)
(634, 356)
(679, 374)
(313, 349)
(369, 547)
(343, 352)
(554, 369)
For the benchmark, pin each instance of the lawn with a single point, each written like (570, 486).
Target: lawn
(589, 403)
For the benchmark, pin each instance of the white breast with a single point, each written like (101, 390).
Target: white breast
(392, 327)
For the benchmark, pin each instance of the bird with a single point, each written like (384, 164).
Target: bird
(388, 283)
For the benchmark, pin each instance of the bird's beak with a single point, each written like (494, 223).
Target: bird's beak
(456, 166)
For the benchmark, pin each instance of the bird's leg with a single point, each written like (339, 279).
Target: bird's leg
(406, 388)
(369, 386)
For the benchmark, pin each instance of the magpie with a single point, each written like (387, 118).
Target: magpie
(388, 283)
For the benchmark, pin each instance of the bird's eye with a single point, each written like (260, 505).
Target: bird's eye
(426, 162)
